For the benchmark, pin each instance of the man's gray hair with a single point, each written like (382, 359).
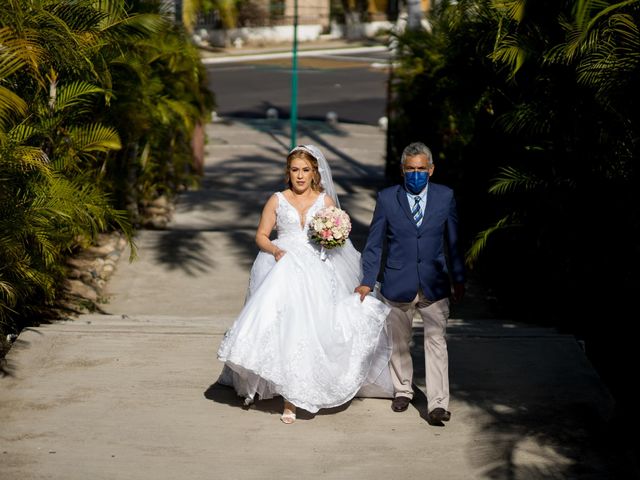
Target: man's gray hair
(416, 148)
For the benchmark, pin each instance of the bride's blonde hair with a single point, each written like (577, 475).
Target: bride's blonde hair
(299, 153)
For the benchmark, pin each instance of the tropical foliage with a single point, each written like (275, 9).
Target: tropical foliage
(98, 101)
(527, 105)
(530, 101)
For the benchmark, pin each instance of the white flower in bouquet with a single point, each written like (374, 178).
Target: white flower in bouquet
(330, 227)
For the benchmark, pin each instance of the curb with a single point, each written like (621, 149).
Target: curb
(269, 55)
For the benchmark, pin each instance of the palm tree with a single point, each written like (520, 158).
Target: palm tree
(158, 116)
(43, 209)
(547, 121)
(570, 76)
(88, 90)
(67, 110)
(505, 82)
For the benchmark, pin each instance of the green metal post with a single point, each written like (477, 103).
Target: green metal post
(294, 77)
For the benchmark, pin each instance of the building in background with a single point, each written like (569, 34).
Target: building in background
(241, 22)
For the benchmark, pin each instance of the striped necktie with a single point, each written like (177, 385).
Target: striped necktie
(416, 211)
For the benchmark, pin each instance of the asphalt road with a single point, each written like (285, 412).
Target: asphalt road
(352, 86)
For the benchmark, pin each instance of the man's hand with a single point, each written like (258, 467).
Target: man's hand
(457, 293)
(363, 290)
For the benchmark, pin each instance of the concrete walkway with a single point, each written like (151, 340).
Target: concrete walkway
(133, 394)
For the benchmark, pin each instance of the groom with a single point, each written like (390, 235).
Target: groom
(418, 220)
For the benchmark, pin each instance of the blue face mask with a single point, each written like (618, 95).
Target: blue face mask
(416, 181)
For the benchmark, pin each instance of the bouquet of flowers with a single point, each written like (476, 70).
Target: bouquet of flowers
(330, 227)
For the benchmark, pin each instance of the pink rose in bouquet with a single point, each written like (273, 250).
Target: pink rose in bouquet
(330, 227)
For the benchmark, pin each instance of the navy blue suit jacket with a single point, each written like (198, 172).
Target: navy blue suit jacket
(415, 255)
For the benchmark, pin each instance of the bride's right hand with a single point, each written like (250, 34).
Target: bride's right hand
(278, 254)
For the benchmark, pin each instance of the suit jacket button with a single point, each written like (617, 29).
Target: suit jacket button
(419, 236)
(419, 261)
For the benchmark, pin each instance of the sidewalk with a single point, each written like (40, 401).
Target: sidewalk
(133, 394)
(275, 47)
(285, 50)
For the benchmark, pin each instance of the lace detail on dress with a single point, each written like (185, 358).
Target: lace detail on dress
(288, 218)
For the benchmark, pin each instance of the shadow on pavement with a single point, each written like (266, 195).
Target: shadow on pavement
(538, 408)
(234, 191)
(226, 395)
(184, 250)
(527, 405)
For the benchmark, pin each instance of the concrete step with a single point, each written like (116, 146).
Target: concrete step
(141, 324)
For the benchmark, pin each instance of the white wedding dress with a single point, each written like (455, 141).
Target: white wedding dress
(302, 333)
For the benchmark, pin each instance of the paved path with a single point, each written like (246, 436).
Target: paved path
(133, 394)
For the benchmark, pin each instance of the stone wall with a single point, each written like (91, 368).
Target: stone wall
(91, 268)
(89, 271)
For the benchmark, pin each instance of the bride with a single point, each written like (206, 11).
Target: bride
(302, 333)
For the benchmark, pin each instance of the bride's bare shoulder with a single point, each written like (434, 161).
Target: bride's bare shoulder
(272, 202)
(328, 201)
(287, 194)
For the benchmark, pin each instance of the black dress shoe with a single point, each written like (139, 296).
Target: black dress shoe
(400, 404)
(437, 416)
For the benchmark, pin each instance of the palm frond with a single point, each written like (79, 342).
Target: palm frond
(577, 42)
(8, 295)
(607, 64)
(21, 133)
(511, 180)
(79, 16)
(134, 27)
(15, 54)
(605, 9)
(510, 53)
(514, 8)
(583, 35)
(527, 118)
(77, 208)
(32, 159)
(94, 138)
(17, 157)
(583, 10)
(11, 105)
(78, 45)
(479, 244)
(75, 94)
(19, 50)
(171, 109)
